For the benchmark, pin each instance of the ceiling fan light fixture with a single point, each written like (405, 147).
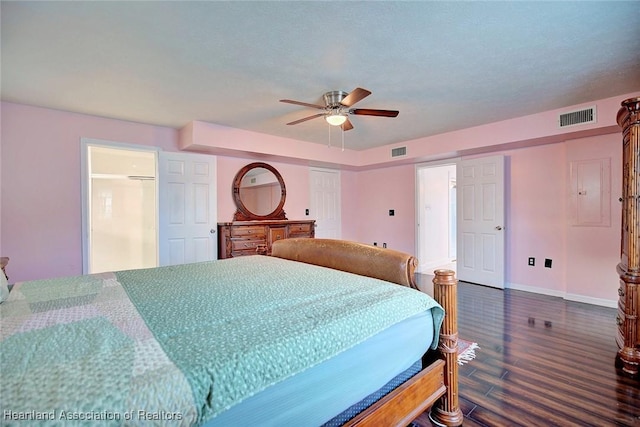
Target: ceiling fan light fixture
(335, 118)
(337, 108)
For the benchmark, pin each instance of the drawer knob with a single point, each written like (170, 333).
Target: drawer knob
(620, 292)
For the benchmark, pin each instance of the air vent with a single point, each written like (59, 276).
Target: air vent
(577, 117)
(400, 151)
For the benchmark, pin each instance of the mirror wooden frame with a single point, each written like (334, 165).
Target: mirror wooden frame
(244, 214)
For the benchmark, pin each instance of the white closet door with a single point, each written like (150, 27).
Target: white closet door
(325, 202)
(481, 227)
(188, 208)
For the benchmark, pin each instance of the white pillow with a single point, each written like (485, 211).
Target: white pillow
(4, 287)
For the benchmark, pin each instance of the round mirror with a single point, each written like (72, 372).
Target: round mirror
(259, 193)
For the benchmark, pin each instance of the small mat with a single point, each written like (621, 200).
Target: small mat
(466, 351)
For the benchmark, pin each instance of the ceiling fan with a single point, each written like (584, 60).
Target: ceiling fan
(337, 108)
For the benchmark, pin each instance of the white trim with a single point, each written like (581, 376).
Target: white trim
(535, 289)
(85, 143)
(560, 294)
(591, 300)
(444, 162)
(435, 264)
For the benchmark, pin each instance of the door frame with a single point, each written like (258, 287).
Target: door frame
(458, 161)
(85, 143)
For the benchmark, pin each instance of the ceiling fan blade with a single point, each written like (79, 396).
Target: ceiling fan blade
(358, 94)
(347, 125)
(370, 112)
(295, 122)
(304, 104)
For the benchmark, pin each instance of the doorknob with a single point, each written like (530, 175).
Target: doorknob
(212, 231)
(498, 227)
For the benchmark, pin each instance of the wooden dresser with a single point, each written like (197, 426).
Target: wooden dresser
(240, 238)
(628, 337)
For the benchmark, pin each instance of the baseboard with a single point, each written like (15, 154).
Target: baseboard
(591, 300)
(569, 297)
(535, 290)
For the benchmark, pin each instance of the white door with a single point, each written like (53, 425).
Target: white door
(188, 208)
(325, 202)
(481, 235)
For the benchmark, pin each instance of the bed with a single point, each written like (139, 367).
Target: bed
(318, 333)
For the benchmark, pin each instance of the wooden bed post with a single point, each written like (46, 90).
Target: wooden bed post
(447, 411)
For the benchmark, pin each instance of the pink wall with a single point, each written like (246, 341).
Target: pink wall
(207, 137)
(41, 216)
(41, 209)
(536, 217)
(349, 205)
(377, 192)
(593, 252)
(535, 129)
(536, 179)
(538, 223)
(41, 213)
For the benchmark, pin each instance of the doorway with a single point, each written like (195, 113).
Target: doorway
(120, 204)
(436, 215)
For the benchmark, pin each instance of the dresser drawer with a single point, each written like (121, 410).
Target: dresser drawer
(299, 229)
(245, 253)
(245, 245)
(249, 231)
(241, 238)
(277, 234)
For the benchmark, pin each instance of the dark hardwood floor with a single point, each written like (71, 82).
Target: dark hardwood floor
(543, 361)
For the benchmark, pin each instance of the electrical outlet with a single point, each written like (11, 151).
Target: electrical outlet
(532, 261)
(375, 243)
(384, 245)
(306, 212)
(392, 212)
(547, 263)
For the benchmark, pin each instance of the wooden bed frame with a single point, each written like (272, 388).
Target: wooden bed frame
(436, 385)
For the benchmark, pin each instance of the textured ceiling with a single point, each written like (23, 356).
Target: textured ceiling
(443, 65)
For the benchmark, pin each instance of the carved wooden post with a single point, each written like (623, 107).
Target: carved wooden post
(628, 319)
(447, 410)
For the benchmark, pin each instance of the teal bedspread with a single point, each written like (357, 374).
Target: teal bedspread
(178, 345)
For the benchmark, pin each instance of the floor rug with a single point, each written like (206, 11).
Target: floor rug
(466, 351)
